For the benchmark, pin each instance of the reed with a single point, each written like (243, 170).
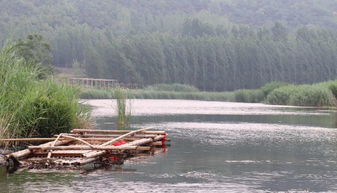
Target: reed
(30, 106)
(123, 113)
(278, 93)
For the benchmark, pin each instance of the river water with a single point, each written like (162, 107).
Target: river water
(216, 147)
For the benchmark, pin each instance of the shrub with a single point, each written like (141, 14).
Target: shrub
(172, 87)
(308, 95)
(33, 107)
(269, 87)
(248, 96)
(302, 95)
(281, 96)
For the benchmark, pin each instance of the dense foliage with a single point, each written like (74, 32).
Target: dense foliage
(33, 107)
(211, 44)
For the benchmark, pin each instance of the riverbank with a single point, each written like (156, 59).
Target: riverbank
(276, 93)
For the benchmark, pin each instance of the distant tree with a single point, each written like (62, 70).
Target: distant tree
(195, 28)
(34, 49)
(280, 32)
(36, 52)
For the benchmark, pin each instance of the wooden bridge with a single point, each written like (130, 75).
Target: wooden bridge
(100, 83)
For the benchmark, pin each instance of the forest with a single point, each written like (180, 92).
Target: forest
(214, 45)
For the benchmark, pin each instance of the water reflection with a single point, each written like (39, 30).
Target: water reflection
(216, 147)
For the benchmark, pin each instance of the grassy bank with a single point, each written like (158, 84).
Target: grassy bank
(30, 106)
(278, 93)
(178, 91)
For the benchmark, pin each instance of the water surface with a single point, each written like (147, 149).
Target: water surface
(216, 147)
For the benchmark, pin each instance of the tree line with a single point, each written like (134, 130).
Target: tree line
(210, 59)
(211, 44)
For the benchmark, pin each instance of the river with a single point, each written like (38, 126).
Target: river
(216, 147)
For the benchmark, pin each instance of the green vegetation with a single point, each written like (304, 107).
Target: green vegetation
(172, 87)
(30, 106)
(123, 117)
(303, 95)
(213, 45)
(278, 93)
(151, 94)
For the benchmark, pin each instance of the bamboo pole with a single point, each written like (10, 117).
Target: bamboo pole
(53, 144)
(124, 136)
(110, 135)
(92, 154)
(100, 131)
(84, 147)
(52, 139)
(27, 139)
(25, 152)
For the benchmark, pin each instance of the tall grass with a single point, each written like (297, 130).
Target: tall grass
(302, 95)
(280, 93)
(33, 107)
(123, 117)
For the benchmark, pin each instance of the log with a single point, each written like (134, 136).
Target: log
(124, 136)
(110, 135)
(83, 147)
(82, 161)
(92, 154)
(62, 153)
(137, 142)
(98, 131)
(27, 139)
(53, 144)
(99, 138)
(26, 152)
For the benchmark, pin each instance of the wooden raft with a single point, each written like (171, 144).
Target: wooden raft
(83, 146)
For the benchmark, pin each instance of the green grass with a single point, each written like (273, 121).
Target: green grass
(123, 117)
(33, 107)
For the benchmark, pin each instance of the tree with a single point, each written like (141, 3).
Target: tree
(36, 52)
(34, 49)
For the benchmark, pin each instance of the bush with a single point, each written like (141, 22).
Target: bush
(172, 87)
(33, 107)
(312, 96)
(248, 96)
(269, 87)
(302, 95)
(281, 96)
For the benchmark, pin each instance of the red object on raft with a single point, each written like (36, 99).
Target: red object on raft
(118, 143)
